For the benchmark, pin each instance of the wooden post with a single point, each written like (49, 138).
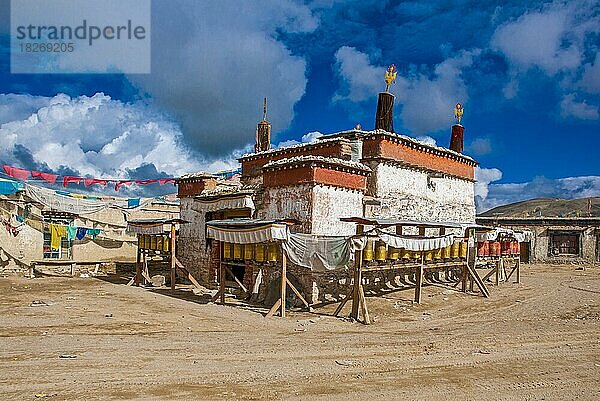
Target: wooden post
(498, 267)
(519, 271)
(138, 267)
(173, 256)
(283, 281)
(221, 279)
(358, 256)
(419, 279)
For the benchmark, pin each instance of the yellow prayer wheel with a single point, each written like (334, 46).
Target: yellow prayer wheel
(272, 252)
(140, 239)
(463, 249)
(166, 244)
(381, 251)
(226, 250)
(153, 240)
(454, 251)
(437, 254)
(428, 256)
(368, 251)
(146, 241)
(446, 253)
(259, 254)
(394, 253)
(238, 249)
(248, 251)
(416, 255)
(159, 242)
(405, 254)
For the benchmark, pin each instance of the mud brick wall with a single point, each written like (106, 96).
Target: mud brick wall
(191, 243)
(388, 147)
(404, 192)
(252, 164)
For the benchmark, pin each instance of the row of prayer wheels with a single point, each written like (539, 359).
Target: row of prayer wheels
(496, 249)
(154, 242)
(379, 251)
(256, 252)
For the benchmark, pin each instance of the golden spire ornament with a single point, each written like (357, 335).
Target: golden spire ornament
(390, 76)
(458, 112)
(264, 109)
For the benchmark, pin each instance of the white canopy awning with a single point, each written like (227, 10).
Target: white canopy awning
(416, 244)
(247, 231)
(520, 236)
(226, 203)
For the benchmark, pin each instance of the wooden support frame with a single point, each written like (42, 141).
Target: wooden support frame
(285, 282)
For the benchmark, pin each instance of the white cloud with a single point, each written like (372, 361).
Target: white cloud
(483, 178)
(95, 136)
(590, 79)
(537, 39)
(480, 146)
(569, 107)
(540, 187)
(426, 100)
(213, 62)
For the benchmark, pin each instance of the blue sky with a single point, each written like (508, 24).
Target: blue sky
(528, 74)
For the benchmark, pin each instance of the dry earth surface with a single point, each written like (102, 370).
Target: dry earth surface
(531, 341)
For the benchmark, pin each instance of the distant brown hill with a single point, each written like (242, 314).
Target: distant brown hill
(546, 207)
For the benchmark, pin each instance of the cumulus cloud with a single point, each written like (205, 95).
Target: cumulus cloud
(426, 97)
(307, 138)
(540, 187)
(94, 136)
(483, 178)
(213, 62)
(570, 107)
(537, 39)
(590, 79)
(480, 146)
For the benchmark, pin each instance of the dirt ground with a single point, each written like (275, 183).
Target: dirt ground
(531, 341)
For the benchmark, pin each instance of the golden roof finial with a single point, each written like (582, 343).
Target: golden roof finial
(390, 76)
(458, 112)
(264, 109)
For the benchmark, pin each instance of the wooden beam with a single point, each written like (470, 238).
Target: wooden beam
(138, 268)
(519, 271)
(419, 282)
(358, 256)
(228, 270)
(189, 275)
(173, 233)
(344, 301)
(221, 281)
(283, 282)
(478, 281)
(274, 308)
(363, 306)
(297, 292)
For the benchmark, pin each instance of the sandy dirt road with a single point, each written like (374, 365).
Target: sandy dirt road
(531, 341)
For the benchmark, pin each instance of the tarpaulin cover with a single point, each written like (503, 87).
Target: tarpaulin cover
(62, 203)
(8, 187)
(319, 253)
(250, 234)
(240, 202)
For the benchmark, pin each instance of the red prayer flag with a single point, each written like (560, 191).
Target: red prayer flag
(120, 183)
(49, 178)
(91, 181)
(14, 172)
(144, 182)
(67, 179)
(164, 181)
